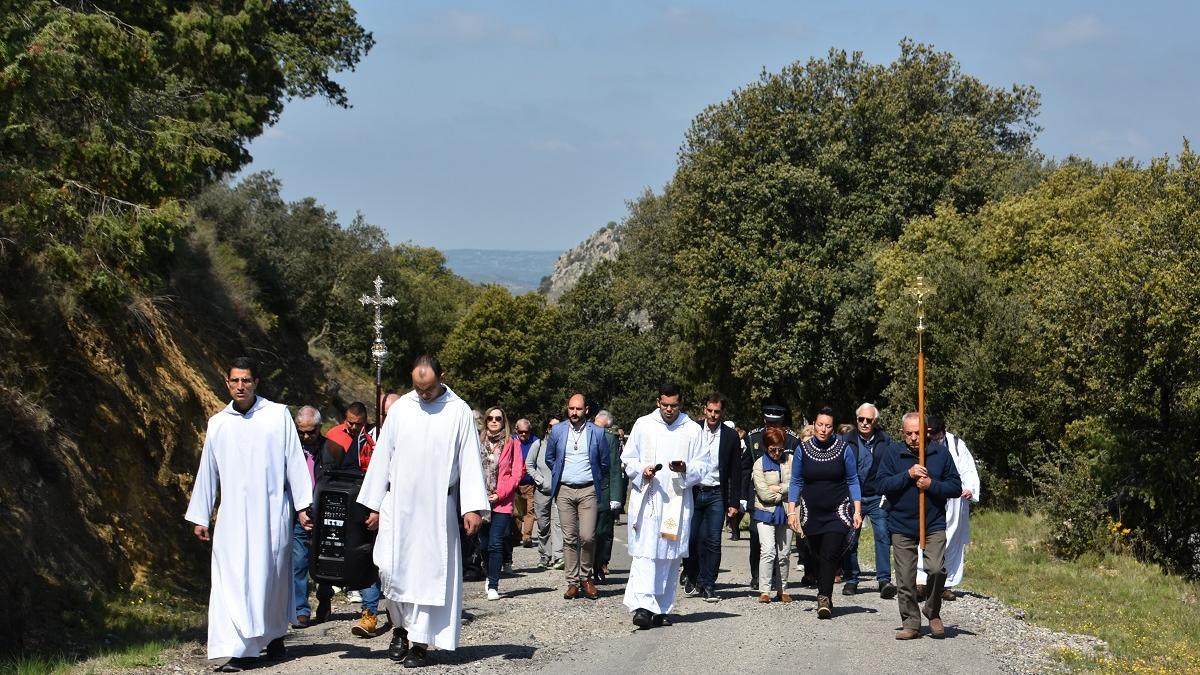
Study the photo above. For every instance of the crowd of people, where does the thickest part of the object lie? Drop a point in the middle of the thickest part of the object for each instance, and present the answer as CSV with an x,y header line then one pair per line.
x,y
449,491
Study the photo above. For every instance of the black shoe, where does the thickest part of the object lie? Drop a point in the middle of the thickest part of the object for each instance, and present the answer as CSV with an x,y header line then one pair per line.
x,y
689,588
662,620
236,665
276,650
682,577
850,588
643,618
709,595
418,657
754,583
887,591
398,649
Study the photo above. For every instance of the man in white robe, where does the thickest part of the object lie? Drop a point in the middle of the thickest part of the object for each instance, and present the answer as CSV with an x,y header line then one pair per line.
x,y
252,458
958,511
424,474
663,458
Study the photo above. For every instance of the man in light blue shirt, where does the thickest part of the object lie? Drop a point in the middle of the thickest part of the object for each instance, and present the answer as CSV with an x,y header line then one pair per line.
x,y
577,454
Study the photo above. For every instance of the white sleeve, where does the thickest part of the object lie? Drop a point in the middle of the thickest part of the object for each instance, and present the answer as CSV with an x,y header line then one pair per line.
x,y
299,482
472,491
968,473
204,490
631,457
375,483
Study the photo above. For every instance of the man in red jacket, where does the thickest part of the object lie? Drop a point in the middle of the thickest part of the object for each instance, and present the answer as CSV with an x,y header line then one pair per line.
x,y
348,447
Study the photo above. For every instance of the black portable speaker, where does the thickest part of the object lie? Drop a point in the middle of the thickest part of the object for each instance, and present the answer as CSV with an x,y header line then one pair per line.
x,y
341,542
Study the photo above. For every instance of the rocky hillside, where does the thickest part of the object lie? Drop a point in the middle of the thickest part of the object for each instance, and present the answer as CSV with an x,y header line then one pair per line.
x,y
570,266
101,422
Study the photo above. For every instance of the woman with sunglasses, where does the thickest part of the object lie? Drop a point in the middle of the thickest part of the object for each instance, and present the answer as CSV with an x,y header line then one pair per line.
x,y
770,476
503,467
824,502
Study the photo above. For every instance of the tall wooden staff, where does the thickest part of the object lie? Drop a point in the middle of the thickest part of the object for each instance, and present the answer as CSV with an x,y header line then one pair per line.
x,y
920,291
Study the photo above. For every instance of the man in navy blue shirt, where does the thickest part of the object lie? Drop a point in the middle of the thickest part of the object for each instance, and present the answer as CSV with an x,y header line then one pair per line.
x,y
901,479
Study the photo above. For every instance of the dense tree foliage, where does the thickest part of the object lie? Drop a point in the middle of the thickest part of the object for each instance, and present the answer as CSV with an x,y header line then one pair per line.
x,y
1066,343
113,112
787,189
502,352
310,272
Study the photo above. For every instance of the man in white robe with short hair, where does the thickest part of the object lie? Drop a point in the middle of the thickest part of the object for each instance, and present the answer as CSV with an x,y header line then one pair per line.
x,y
663,458
958,510
252,458
425,473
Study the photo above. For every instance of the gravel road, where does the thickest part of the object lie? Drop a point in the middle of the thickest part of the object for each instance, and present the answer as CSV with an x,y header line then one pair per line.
x,y
533,629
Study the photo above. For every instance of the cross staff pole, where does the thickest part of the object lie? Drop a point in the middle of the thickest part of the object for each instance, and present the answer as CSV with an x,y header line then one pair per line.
x,y
379,352
921,291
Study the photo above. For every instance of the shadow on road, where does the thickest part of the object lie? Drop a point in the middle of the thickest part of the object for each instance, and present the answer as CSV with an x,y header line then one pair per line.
x,y
526,591
470,653
697,617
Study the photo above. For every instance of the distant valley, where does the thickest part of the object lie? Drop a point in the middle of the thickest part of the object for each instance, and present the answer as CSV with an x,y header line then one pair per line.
x,y
519,271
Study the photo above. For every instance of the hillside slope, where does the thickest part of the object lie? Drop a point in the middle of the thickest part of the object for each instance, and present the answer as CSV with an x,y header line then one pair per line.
x,y
102,419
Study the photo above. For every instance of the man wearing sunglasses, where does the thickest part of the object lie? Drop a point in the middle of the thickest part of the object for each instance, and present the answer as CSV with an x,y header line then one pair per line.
x,y
868,444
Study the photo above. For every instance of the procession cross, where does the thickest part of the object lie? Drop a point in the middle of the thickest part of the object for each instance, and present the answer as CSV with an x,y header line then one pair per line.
x,y
921,291
379,352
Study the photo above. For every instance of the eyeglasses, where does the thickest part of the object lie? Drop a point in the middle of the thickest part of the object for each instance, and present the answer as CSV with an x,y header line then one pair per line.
x,y
310,432
862,420
240,380
775,449
522,432
494,418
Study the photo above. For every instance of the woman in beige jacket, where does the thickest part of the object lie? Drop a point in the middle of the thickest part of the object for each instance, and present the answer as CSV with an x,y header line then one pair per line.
x,y
770,477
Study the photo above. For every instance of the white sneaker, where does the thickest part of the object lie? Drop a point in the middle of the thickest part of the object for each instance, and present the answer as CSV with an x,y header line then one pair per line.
x,y
353,596
493,594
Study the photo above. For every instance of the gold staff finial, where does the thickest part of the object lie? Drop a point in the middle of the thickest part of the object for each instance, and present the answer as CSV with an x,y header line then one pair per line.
x,y
921,290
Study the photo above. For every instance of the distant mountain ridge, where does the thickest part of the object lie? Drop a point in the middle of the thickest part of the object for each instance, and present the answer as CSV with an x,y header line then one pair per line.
x,y
518,271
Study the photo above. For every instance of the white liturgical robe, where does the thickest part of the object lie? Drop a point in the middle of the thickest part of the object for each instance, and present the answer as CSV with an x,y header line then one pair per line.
x,y
424,474
660,509
255,461
958,514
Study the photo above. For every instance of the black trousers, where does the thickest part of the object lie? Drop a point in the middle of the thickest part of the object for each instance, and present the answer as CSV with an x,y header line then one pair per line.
x,y
827,550
605,520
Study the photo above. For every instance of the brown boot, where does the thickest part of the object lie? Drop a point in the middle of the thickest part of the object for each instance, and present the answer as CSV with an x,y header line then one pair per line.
x,y
948,595
571,592
936,628
908,634
366,625
765,598
783,597
590,590
824,607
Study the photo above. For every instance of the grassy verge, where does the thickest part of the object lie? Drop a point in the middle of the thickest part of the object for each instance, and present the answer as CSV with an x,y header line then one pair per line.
x,y
1151,621
123,633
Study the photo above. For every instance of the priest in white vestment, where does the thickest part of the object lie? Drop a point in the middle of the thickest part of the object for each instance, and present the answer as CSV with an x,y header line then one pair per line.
x,y
958,510
253,460
660,503
425,473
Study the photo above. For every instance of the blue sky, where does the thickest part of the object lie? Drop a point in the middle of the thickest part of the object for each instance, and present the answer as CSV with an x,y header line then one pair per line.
x,y
529,124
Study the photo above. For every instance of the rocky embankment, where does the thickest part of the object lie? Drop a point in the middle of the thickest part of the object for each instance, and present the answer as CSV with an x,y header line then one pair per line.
x,y
573,264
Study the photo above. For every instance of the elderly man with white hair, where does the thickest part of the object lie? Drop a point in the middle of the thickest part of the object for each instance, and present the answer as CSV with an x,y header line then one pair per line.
x,y
868,442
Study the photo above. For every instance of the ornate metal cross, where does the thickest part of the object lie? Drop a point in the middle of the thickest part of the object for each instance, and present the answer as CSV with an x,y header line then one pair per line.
x,y
379,352
921,290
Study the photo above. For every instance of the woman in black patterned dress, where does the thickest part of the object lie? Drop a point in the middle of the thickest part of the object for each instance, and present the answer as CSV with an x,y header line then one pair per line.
x,y
824,502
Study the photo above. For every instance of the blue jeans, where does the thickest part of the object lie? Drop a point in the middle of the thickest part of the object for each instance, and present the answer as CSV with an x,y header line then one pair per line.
x,y
704,547
883,541
497,532
300,569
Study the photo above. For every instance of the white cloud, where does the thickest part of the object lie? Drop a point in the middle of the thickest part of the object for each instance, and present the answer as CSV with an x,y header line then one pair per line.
x,y
461,27
1077,31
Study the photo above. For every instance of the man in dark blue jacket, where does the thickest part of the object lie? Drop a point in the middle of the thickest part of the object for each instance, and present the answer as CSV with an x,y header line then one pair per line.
x,y
869,444
577,454
901,478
